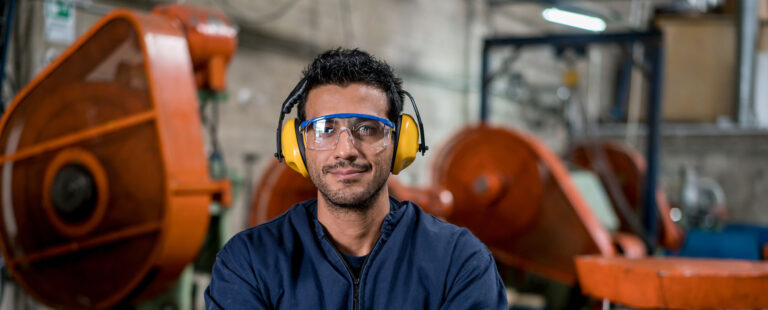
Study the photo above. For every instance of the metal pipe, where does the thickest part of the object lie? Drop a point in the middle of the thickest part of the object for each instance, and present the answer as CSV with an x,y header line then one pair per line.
x,y
746,47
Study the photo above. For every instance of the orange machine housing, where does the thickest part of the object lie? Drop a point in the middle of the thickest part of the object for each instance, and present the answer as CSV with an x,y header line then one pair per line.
x,y
105,184
211,40
517,197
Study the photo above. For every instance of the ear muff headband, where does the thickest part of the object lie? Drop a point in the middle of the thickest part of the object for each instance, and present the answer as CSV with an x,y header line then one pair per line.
x,y
288,104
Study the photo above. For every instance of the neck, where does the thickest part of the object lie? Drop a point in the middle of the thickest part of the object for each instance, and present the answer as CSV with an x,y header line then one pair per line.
x,y
354,231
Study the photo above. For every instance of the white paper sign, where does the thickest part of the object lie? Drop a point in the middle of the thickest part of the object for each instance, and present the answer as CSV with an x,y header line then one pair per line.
x,y
59,21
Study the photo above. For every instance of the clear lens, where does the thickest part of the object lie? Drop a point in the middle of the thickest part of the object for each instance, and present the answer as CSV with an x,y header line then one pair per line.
x,y
365,133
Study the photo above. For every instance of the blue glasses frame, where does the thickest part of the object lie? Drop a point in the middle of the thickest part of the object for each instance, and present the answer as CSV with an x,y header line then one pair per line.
x,y
384,121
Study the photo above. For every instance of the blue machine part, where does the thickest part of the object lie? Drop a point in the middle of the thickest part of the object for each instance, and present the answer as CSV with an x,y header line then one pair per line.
x,y
735,241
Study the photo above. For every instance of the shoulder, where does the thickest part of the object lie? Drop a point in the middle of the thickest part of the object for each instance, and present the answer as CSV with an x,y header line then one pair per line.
x,y
459,240
272,235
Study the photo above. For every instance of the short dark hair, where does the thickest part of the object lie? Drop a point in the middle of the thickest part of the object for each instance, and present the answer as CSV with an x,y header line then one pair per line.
x,y
345,66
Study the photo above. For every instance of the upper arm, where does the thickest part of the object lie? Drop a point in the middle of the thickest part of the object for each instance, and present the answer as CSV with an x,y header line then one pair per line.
x,y
233,284
476,283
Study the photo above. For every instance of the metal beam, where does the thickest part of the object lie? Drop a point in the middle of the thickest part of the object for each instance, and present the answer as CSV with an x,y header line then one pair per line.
x,y
654,56
650,214
576,41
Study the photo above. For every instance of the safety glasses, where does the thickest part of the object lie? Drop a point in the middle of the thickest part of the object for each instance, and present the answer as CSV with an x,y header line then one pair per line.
x,y
367,131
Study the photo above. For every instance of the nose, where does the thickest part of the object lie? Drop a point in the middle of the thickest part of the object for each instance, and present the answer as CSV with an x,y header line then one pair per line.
x,y
345,147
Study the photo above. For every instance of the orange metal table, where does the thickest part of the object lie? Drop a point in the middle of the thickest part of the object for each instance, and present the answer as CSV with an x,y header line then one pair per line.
x,y
675,283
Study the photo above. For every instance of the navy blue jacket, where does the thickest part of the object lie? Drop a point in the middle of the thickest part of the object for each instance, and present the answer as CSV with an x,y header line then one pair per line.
x,y
419,262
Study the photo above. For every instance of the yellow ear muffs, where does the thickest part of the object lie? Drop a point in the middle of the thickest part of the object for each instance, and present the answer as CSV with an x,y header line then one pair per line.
x,y
407,144
293,147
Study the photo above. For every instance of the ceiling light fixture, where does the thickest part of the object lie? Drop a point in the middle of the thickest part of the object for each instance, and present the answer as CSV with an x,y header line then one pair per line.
x,y
572,19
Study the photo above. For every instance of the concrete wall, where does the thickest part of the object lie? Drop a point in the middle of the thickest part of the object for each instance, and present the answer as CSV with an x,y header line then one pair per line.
x,y
738,162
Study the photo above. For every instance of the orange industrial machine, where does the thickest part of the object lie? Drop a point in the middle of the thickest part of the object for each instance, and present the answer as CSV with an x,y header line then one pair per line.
x,y
105,184
517,197
622,171
659,282
505,186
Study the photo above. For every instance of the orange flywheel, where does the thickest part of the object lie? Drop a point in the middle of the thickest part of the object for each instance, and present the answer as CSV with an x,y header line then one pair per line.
x,y
517,197
105,184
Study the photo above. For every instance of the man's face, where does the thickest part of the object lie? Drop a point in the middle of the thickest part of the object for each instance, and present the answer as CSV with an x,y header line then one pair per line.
x,y
351,174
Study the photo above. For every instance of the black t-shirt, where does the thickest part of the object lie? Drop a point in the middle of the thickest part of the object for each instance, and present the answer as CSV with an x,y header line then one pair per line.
x,y
355,263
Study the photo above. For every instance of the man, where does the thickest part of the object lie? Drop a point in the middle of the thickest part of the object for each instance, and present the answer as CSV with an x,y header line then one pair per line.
x,y
353,247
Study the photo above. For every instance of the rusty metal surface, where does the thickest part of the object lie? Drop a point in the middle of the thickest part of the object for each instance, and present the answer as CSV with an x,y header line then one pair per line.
x,y
120,106
517,197
617,164
675,283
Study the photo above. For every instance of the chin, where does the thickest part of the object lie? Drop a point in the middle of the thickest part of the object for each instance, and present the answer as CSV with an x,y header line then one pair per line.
x,y
351,199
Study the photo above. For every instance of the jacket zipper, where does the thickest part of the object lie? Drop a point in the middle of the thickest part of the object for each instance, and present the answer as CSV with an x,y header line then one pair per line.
x,y
355,280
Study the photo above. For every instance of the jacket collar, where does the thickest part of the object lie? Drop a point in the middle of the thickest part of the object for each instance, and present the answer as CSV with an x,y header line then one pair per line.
x,y
396,211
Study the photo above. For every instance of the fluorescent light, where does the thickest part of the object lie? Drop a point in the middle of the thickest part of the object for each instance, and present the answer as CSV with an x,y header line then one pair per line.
x,y
573,19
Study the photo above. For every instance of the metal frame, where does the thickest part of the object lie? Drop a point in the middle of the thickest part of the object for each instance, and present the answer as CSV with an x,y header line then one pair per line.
x,y
654,57
747,37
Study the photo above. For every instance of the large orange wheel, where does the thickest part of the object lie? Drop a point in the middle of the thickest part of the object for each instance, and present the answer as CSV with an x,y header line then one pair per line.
x,y
517,197
104,189
495,181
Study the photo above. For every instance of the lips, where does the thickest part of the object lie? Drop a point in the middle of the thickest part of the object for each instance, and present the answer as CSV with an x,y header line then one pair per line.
x,y
345,170
347,173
